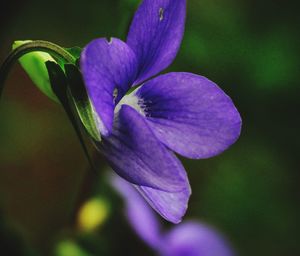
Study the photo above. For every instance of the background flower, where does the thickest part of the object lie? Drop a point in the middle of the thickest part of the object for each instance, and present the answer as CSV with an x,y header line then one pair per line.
x,y
189,238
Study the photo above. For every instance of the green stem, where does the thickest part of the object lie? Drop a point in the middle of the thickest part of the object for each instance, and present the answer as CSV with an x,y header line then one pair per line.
x,y
39,45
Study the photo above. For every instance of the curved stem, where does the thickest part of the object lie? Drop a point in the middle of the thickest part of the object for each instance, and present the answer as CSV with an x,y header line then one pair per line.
x,y
39,45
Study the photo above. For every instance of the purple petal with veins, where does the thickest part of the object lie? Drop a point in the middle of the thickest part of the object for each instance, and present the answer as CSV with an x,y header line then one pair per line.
x,y
155,35
107,68
190,114
138,156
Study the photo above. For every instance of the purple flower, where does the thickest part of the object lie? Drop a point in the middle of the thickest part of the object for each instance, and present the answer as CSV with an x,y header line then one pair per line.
x,y
140,126
190,238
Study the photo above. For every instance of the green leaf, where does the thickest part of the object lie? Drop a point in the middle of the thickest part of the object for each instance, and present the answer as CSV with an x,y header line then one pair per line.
x,y
34,65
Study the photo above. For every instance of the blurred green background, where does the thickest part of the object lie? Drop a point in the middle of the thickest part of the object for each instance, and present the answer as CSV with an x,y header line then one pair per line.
x,y
250,48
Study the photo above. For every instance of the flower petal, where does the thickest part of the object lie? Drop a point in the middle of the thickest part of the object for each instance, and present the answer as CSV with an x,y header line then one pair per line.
x,y
155,34
107,68
194,239
170,205
139,214
136,155
188,113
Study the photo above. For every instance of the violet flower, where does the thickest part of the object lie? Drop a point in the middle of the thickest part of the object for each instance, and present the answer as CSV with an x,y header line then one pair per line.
x,y
141,126
190,238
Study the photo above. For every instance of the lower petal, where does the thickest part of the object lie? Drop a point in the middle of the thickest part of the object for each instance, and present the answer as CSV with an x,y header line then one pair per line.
x,y
137,155
170,205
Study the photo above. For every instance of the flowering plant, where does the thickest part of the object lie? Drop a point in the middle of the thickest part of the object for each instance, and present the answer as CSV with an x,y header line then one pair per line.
x,y
136,121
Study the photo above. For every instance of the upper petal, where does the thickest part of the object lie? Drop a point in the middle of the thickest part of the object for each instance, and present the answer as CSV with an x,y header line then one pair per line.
x,y
195,239
136,154
108,70
155,34
189,114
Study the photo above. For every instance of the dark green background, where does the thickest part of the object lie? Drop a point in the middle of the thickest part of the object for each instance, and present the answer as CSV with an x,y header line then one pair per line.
x,y
250,48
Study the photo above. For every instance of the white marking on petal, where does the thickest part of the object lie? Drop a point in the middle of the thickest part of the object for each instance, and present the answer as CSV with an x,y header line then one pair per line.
x,y
115,94
109,41
161,14
99,124
131,100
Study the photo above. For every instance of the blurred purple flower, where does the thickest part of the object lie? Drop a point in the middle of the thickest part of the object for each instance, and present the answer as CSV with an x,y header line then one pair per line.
x,y
141,126
190,238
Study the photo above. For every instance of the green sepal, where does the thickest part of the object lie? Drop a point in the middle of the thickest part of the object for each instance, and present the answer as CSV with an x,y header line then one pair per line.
x,y
75,52
59,83
82,102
